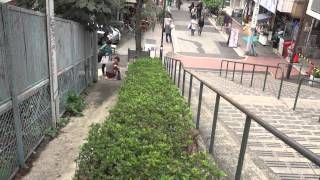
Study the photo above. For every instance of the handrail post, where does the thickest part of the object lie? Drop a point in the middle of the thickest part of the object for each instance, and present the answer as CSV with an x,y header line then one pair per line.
x,y
199,105
169,66
234,69
221,67
300,72
214,123
275,75
190,90
242,73
175,71
227,69
281,83
297,95
179,74
265,79
183,81
254,67
166,63
171,73
243,147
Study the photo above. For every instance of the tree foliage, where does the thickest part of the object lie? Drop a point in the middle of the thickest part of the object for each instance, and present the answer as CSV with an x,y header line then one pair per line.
x,y
213,5
88,12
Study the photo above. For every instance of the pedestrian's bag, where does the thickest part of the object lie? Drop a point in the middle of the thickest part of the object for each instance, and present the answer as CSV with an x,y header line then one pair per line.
x,y
189,26
105,59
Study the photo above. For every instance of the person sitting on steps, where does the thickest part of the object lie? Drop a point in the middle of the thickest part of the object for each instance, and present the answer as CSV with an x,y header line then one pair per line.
x,y
113,70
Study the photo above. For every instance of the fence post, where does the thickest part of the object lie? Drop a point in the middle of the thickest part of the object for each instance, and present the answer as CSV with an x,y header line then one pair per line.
x,y
12,87
214,123
199,105
95,58
53,74
243,147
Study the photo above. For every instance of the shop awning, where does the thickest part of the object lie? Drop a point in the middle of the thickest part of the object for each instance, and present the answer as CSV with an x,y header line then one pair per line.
x,y
262,17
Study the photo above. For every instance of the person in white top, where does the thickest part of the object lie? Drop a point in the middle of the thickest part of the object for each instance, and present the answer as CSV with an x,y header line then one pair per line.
x,y
193,26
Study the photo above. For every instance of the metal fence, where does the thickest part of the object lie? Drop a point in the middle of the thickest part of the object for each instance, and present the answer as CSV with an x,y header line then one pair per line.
x,y
255,67
25,98
177,71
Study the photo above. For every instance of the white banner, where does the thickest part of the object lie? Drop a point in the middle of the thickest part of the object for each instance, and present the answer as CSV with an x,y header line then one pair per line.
x,y
270,5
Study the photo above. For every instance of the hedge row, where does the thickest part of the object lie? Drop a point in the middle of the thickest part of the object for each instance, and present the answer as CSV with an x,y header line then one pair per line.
x,y
146,135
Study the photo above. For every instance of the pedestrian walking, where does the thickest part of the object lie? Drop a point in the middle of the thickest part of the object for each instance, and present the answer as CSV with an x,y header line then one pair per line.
x,y
178,4
200,24
191,7
105,52
193,26
194,13
169,3
167,29
199,9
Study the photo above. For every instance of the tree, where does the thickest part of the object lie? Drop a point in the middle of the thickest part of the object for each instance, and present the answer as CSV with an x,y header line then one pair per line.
x,y
145,10
87,12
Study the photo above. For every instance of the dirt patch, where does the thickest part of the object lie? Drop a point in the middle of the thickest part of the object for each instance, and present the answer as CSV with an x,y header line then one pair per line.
x,y
57,159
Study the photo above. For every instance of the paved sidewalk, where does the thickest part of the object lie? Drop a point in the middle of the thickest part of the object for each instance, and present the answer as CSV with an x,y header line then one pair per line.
x,y
206,51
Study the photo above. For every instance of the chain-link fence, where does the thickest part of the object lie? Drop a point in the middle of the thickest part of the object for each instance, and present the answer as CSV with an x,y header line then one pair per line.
x,y
25,97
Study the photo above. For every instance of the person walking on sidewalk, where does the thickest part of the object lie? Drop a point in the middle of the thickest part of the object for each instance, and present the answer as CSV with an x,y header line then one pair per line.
x,y
191,7
167,29
199,9
200,24
194,13
193,26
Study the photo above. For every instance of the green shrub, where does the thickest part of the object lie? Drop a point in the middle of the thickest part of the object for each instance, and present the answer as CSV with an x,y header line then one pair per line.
x,y
316,72
146,135
51,132
75,104
213,5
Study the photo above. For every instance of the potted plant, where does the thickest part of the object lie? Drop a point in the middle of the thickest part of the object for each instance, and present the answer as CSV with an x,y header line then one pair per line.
x,y
315,75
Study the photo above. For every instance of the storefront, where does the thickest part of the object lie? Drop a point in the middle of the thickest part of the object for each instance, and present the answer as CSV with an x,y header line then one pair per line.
x,y
311,46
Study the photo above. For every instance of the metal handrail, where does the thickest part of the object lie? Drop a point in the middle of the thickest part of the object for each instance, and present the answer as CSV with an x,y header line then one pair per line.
x,y
168,63
292,64
298,91
253,71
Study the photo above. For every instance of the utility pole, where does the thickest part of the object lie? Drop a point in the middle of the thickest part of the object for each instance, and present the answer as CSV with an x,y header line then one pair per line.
x,y
162,27
53,73
298,39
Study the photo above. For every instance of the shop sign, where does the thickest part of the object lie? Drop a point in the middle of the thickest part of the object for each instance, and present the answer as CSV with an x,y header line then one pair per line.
x,y
270,5
255,14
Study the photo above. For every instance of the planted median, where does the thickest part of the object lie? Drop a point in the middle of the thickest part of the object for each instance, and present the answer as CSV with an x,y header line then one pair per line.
x,y
148,134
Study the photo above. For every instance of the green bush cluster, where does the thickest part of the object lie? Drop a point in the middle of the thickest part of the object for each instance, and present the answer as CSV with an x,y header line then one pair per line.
x,y
213,5
75,104
146,135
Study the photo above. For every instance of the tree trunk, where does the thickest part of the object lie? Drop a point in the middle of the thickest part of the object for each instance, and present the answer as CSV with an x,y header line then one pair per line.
x,y
138,34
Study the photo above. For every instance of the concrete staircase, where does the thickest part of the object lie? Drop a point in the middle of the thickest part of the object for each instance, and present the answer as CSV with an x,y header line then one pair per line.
x,y
266,157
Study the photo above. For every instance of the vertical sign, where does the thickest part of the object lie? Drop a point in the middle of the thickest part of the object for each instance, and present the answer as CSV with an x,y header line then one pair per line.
x,y
52,61
255,14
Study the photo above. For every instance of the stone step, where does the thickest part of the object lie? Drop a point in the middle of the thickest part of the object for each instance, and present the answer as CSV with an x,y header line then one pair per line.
x,y
267,157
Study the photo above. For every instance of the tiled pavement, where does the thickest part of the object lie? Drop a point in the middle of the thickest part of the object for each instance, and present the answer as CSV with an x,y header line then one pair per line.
x,y
267,157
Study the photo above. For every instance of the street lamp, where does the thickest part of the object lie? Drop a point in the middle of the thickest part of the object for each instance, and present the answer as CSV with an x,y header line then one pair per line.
x,y
164,14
